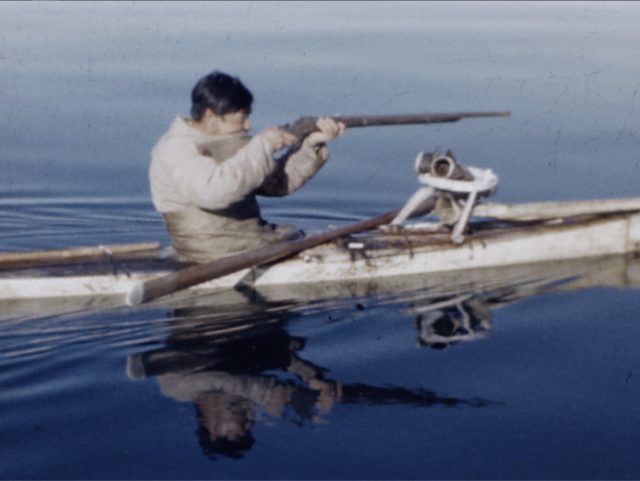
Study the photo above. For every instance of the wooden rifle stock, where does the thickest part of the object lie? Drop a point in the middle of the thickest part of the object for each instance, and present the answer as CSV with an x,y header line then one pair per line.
x,y
305,125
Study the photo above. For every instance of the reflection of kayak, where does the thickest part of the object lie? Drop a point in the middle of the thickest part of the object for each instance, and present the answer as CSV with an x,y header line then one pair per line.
x,y
570,230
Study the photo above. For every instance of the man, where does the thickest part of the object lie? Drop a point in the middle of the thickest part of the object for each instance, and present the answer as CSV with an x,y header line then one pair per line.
x,y
206,172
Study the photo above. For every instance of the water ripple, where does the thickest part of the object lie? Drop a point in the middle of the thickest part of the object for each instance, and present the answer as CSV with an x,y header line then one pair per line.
x,y
49,222
35,338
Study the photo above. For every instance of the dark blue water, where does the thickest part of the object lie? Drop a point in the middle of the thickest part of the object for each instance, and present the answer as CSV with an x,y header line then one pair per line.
x,y
346,384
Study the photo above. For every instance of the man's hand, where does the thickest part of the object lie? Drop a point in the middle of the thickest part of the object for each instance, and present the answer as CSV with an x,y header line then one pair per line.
x,y
278,138
328,129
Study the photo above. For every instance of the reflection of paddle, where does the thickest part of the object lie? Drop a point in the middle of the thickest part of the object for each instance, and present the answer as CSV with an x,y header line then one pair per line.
x,y
190,276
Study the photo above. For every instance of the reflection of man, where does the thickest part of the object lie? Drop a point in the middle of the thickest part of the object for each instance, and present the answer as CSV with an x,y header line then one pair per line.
x,y
224,377
242,367
225,423
226,401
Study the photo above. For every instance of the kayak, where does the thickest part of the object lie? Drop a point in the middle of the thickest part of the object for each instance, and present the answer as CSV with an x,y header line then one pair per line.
x,y
498,235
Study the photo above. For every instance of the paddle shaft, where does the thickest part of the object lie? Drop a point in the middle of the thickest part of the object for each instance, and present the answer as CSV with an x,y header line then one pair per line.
x,y
305,125
190,276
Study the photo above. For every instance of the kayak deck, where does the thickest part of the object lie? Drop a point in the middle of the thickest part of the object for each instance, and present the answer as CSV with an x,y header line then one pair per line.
x,y
382,243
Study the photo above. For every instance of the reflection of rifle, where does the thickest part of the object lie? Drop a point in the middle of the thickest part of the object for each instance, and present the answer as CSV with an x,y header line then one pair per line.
x,y
373,395
305,125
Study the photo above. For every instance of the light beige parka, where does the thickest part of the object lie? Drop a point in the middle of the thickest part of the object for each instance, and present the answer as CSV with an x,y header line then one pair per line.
x,y
205,186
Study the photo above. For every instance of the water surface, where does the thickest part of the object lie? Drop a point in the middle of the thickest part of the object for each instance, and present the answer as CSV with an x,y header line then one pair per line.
x,y
351,383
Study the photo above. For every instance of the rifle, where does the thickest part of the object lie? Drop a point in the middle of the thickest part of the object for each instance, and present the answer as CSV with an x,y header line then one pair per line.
x,y
305,125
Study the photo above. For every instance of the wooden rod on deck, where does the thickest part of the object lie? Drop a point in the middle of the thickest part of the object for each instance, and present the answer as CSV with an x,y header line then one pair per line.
x,y
11,260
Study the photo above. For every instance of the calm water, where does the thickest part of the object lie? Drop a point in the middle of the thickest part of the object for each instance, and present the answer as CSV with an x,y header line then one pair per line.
x,y
351,383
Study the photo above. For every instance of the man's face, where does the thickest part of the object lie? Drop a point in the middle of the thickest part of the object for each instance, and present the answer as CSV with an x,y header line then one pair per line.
x,y
231,123
226,416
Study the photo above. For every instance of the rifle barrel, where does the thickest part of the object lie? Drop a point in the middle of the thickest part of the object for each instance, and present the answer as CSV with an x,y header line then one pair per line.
x,y
305,125
374,120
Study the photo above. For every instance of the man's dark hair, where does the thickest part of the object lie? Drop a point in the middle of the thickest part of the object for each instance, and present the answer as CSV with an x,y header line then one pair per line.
x,y
221,93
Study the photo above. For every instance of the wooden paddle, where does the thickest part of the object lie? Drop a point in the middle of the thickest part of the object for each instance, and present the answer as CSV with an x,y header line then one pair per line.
x,y
176,281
